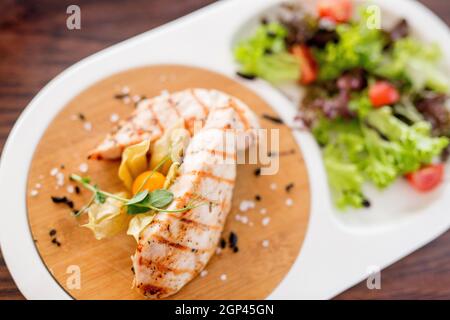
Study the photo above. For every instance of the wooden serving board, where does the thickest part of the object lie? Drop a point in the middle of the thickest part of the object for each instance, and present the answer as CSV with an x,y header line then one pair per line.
x,y
105,266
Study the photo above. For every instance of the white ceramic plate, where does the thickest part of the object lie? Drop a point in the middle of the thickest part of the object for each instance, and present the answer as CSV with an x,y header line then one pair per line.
x,y
338,249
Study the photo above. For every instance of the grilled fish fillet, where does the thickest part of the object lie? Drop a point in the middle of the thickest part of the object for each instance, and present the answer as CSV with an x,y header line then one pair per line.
x,y
175,247
153,116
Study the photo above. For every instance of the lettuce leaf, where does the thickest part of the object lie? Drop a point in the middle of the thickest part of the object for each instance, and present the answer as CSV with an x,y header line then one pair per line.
x,y
264,55
346,182
379,148
417,63
344,147
358,47
417,145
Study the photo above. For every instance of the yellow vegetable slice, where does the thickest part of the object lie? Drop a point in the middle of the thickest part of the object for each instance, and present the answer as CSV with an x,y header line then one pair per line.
x,y
134,162
173,141
107,219
171,175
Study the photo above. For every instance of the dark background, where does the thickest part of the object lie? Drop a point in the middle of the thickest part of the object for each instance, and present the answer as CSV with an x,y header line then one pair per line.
x,y
35,46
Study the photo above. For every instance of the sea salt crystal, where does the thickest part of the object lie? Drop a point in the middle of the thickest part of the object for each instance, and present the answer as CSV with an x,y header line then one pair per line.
x,y
265,221
273,186
70,189
125,90
204,273
244,219
218,251
237,217
136,98
114,118
60,179
246,205
34,193
289,202
263,211
265,243
87,126
54,172
74,117
83,168
126,100
38,186
223,277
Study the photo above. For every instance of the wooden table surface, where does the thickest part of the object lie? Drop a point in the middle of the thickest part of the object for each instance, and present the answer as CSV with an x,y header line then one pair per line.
x,y
35,46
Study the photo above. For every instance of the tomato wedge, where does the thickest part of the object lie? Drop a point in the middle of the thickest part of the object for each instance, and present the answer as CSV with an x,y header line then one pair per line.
x,y
427,178
338,11
308,65
383,93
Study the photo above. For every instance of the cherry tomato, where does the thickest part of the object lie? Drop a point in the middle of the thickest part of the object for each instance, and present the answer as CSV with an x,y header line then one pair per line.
x,y
337,11
383,93
153,182
427,178
308,64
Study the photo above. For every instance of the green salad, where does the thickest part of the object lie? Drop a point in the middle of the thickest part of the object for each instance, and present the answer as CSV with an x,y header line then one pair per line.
x,y
376,100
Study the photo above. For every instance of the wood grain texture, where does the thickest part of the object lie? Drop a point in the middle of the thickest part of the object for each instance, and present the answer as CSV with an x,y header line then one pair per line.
x,y
105,266
35,46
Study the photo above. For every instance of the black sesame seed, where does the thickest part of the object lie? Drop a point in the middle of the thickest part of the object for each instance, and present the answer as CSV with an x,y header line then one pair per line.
x,y
64,200
81,117
366,203
258,197
223,243
52,232
77,190
232,239
289,187
59,199
257,172
246,76
55,241
235,249
70,204
120,96
273,119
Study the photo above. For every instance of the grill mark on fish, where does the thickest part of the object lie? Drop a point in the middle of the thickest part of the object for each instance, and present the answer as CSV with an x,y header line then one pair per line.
x,y
155,116
163,268
200,225
175,245
187,223
174,107
224,154
240,113
205,174
197,99
152,290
